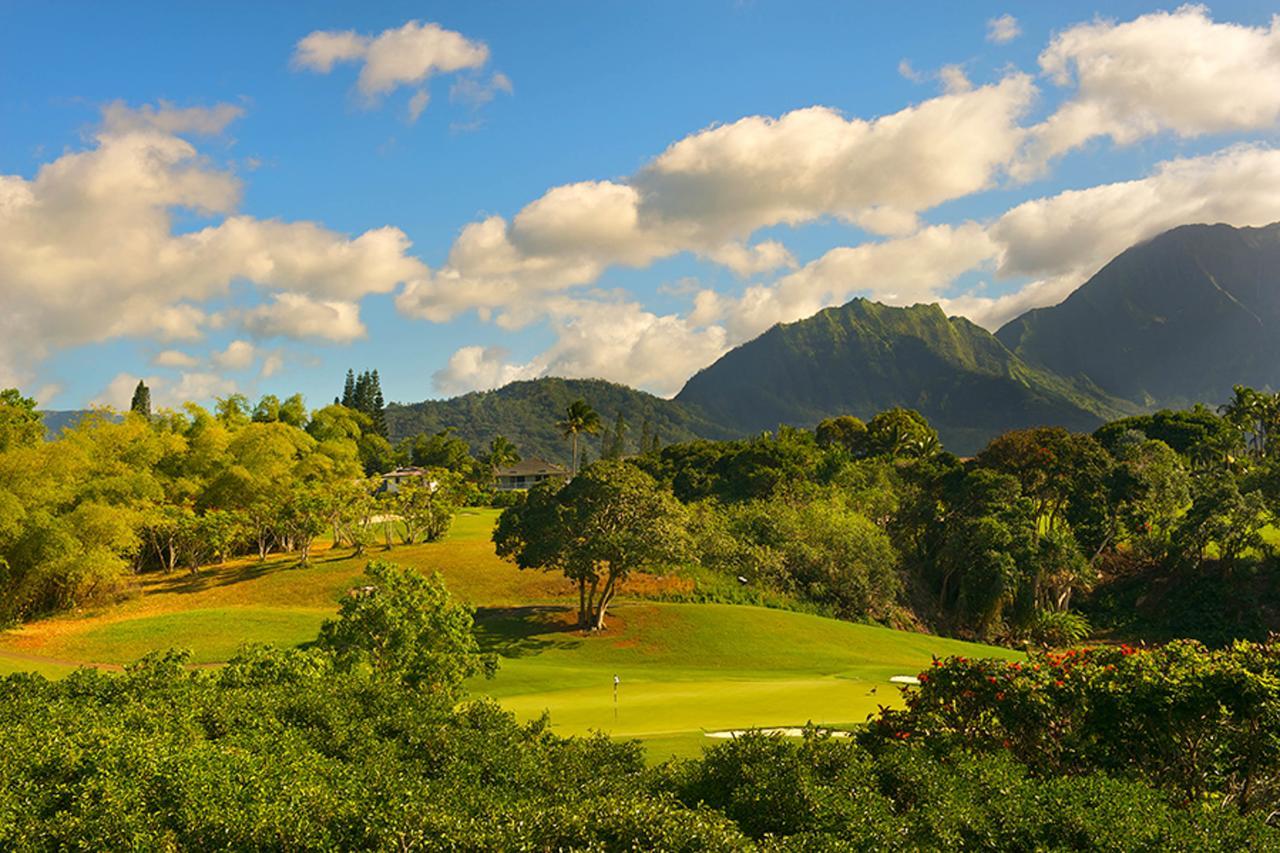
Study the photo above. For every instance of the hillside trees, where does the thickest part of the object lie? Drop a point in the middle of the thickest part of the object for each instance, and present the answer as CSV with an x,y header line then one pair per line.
x,y
901,432
817,548
607,522
363,394
1255,415
72,513
261,464
501,453
1222,518
1147,492
615,441
20,424
442,450
1198,435
113,497
844,431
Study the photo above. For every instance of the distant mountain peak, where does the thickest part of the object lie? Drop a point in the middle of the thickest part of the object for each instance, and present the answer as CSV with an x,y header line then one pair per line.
x,y
1174,320
863,357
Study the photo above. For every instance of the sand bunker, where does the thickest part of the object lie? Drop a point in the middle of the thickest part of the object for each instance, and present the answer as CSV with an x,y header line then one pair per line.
x,y
905,679
783,732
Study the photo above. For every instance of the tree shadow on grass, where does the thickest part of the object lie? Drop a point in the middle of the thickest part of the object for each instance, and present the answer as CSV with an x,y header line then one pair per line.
x,y
209,577
516,632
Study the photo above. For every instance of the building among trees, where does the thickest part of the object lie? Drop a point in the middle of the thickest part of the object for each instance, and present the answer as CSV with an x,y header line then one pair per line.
x,y
526,474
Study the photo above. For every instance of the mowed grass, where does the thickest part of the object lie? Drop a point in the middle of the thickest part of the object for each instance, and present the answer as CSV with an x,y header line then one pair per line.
x,y
689,669
685,669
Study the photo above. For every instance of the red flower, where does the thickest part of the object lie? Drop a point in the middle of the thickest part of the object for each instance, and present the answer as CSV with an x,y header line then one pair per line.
x,y
1058,683
1000,696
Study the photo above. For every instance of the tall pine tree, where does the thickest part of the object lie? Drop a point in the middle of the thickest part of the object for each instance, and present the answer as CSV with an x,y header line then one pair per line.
x,y
615,443
377,406
349,390
141,403
364,394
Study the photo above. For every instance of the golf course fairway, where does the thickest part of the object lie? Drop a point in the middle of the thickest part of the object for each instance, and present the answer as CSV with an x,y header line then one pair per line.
x,y
683,669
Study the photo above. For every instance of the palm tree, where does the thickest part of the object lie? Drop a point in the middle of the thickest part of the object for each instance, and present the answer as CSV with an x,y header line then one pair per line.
x,y
578,418
502,453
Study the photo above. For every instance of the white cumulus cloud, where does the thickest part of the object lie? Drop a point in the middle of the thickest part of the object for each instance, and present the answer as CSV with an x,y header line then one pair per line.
x,y
89,252
1003,29
403,56
298,316
239,355
1179,71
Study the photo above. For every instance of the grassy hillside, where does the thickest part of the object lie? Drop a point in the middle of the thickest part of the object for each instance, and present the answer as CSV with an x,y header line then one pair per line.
x,y
685,668
527,412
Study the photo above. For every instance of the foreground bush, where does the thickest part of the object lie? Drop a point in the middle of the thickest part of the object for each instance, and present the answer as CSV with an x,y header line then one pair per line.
x,y
275,752
162,757
1203,725
825,794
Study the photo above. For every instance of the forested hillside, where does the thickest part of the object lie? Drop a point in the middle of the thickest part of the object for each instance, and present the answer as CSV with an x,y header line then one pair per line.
x,y
527,413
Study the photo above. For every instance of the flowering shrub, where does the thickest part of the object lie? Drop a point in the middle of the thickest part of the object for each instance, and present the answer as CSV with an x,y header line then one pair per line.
x,y
1199,723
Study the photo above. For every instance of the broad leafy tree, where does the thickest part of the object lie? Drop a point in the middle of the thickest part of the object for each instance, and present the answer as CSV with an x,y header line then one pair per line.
x,y
405,625
20,423
844,431
609,521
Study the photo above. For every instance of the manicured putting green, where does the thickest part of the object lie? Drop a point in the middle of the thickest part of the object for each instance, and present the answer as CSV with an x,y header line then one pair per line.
x,y
686,669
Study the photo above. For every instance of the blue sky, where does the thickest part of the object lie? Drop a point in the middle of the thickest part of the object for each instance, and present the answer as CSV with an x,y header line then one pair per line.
x,y
160,163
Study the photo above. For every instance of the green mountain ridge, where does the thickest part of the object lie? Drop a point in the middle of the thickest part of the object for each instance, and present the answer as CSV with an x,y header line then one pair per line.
x,y
56,420
864,357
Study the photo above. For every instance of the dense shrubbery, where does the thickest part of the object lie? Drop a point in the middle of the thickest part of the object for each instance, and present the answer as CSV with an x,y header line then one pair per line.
x,y
1202,725
826,793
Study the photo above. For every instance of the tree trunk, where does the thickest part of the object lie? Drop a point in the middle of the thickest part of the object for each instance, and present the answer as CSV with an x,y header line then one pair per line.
x,y
589,609
574,454
602,606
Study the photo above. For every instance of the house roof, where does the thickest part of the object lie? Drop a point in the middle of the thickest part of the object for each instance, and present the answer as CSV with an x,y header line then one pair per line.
x,y
404,472
531,467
